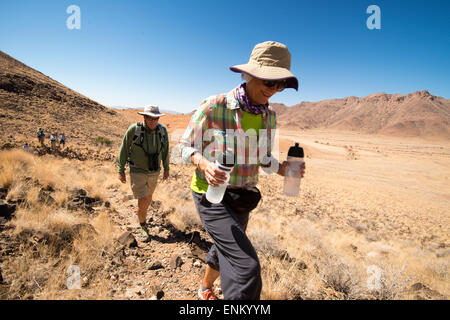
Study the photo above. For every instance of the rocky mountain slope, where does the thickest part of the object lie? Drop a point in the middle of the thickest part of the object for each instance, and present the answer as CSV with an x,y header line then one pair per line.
x,y
418,114
30,100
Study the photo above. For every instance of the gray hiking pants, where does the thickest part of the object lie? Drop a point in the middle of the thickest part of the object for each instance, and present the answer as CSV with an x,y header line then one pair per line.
x,y
232,252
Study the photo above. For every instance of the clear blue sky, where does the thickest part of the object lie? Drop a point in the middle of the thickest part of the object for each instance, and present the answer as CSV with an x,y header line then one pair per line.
x,y
175,53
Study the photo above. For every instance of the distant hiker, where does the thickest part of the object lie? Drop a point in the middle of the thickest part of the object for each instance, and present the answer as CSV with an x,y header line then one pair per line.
x,y
144,146
62,140
53,140
243,108
26,147
41,136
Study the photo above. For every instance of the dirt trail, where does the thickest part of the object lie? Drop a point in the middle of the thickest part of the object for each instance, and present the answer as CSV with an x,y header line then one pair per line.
x,y
135,278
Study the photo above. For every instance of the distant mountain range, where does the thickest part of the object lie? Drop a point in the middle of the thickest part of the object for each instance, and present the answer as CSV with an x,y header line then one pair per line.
x,y
134,108
418,114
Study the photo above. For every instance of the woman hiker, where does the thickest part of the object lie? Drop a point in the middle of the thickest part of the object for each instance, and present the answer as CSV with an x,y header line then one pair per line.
x,y
53,140
246,107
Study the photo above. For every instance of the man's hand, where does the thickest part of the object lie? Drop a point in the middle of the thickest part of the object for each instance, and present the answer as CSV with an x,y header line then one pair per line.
x,y
166,175
122,177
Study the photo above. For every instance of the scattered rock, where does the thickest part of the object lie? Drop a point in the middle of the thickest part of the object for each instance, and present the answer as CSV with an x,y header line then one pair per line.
x,y
197,252
57,241
49,188
128,240
155,265
19,199
80,200
74,204
6,210
283,255
425,293
156,291
301,265
92,201
197,264
79,193
195,238
419,286
175,262
3,193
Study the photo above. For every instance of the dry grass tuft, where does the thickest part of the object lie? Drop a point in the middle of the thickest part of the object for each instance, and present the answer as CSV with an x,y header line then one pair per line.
x,y
51,238
13,165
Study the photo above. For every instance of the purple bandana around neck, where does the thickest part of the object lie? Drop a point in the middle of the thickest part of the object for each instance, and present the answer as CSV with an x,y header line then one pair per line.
x,y
246,105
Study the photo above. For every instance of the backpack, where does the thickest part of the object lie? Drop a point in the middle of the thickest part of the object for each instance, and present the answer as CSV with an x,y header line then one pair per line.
x,y
138,140
139,133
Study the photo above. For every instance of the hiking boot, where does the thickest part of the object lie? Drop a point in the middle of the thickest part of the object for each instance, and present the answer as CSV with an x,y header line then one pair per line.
x,y
145,235
208,294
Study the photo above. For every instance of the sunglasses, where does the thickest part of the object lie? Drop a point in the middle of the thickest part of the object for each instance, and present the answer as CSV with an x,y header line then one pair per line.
x,y
280,84
151,118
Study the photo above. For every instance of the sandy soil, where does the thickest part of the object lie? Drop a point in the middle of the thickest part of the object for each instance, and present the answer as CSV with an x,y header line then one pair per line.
x,y
406,181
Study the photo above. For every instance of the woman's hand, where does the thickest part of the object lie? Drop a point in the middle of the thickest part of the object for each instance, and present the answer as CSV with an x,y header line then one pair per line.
x,y
214,176
285,165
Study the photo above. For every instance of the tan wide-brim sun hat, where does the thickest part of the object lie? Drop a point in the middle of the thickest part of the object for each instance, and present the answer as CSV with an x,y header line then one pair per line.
x,y
152,111
269,60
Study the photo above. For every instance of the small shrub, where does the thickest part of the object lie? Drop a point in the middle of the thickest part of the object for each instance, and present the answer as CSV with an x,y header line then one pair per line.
x,y
184,219
102,140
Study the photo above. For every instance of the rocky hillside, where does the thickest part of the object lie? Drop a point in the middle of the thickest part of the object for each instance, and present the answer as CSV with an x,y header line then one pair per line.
x,y
418,114
30,100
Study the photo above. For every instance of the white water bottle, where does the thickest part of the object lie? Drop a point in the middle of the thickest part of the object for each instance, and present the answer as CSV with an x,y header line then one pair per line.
x,y
293,176
226,163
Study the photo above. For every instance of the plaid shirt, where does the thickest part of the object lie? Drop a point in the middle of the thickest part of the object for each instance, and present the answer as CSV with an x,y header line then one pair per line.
x,y
214,117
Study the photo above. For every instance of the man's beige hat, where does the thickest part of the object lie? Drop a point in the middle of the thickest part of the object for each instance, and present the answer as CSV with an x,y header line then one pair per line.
x,y
152,111
269,60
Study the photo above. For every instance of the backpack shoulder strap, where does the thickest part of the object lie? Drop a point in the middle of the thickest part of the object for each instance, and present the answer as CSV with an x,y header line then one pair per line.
x,y
139,133
162,131
163,137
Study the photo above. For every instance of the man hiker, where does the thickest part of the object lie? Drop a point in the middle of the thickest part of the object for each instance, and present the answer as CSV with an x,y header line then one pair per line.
x,y
62,140
144,146
41,136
